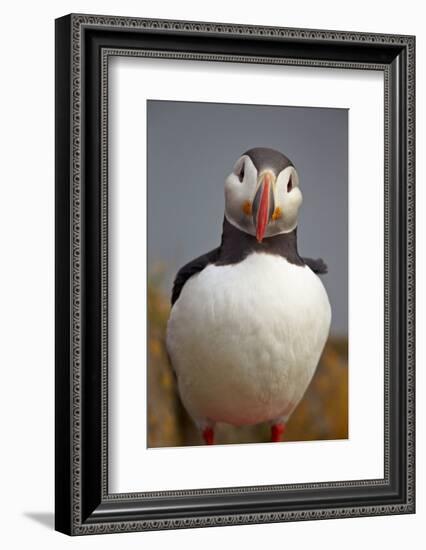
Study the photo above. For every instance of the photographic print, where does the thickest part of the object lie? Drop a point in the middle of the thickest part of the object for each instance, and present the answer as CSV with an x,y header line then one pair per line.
x,y
235,274
247,273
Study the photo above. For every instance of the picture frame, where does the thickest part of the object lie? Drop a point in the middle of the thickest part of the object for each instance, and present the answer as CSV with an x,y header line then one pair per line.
x,y
83,503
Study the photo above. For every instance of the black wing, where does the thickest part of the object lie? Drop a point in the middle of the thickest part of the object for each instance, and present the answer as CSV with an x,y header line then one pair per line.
x,y
190,269
318,266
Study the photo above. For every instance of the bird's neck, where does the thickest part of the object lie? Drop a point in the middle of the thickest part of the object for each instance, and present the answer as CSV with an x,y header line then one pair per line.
x,y
237,245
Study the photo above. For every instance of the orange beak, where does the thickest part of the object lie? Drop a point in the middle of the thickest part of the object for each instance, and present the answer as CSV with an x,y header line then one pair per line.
x,y
263,206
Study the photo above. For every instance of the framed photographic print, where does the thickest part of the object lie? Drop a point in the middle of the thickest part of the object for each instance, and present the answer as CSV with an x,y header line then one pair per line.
x,y
234,274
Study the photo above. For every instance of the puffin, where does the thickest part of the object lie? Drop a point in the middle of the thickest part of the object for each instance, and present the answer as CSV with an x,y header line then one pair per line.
x,y
249,319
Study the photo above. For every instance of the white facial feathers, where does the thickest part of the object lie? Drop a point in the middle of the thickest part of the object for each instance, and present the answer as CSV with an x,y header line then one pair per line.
x,y
241,187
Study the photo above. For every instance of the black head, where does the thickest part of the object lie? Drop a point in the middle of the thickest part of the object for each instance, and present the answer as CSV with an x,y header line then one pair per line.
x,y
265,158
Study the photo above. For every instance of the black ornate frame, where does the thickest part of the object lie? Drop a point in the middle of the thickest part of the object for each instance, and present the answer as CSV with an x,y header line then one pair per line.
x,y
83,45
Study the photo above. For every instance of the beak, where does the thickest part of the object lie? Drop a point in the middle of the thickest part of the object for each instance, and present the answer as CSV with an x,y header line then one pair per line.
x,y
263,204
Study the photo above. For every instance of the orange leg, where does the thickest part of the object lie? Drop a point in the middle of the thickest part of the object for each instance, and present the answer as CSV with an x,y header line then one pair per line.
x,y
208,436
277,431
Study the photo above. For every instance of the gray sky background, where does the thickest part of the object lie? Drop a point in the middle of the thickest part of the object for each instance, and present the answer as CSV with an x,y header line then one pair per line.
x,y
192,147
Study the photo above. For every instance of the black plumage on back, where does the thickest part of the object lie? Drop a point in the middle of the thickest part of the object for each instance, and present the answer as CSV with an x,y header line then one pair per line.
x,y
190,269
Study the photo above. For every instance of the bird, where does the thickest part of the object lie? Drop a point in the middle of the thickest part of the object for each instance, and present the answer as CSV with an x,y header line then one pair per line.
x,y
250,318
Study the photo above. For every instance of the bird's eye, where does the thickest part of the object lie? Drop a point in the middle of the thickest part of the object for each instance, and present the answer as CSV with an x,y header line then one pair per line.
x,y
289,185
241,173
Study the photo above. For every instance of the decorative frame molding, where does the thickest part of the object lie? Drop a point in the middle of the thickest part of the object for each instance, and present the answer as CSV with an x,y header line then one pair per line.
x,y
84,43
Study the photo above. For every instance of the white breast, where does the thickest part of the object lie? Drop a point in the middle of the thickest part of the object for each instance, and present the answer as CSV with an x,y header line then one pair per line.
x,y
245,339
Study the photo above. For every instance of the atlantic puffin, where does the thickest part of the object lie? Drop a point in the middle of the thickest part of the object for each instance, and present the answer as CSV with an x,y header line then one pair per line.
x,y
249,319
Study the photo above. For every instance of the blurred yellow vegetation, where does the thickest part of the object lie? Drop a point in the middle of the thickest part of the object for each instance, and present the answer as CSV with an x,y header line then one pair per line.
x,y
322,413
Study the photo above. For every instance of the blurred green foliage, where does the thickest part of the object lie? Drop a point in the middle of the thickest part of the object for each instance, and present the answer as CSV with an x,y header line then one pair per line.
x,y
322,413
